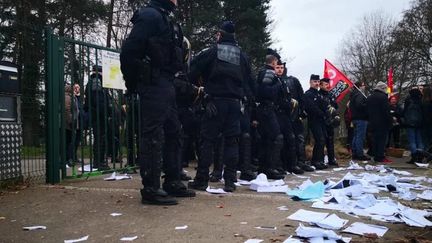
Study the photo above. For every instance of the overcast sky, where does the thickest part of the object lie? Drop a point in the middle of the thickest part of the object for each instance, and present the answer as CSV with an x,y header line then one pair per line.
x,y
309,31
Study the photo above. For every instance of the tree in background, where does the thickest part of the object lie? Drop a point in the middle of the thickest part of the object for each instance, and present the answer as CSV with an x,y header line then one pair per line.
x,y
366,54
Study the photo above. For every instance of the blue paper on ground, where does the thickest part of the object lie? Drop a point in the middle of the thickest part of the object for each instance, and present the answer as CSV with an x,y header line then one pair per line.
x,y
313,191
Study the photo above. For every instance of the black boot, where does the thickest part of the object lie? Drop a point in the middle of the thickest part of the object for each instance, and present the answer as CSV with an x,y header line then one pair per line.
x,y
413,158
296,170
229,186
247,175
199,183
177,189
215,176
319,165
305,167
156,197
184,176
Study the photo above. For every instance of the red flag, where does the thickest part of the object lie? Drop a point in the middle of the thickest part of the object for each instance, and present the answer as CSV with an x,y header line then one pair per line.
x,y
390,81
339,84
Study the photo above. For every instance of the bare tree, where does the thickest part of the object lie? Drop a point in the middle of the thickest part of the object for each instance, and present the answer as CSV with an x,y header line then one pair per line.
x,y
365,54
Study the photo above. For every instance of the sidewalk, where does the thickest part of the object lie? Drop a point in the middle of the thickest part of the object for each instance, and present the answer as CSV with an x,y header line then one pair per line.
x,y
82,207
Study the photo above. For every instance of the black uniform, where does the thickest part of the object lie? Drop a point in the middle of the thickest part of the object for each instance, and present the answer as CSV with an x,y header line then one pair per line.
x,y
269,87
284,113
150,57
316,108
224,69
329,139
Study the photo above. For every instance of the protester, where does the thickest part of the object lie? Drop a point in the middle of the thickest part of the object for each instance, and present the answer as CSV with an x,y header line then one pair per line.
x,y
378,111
359,116
413,121
396,114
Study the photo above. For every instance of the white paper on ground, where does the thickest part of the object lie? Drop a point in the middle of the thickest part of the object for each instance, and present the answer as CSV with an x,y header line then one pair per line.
x,y
426,195
422,165
382,208
332,222
417,216
243,182
409,179
86,168
307,216
354,166
261,182
266,227
282,189
359,228
77,240
37,227
115,177
132,238
283,208
401,172
305,184
406,194
366,201
254,241
116,214
312,232
292,240
330,206
339,169
300,176
181,227
215,190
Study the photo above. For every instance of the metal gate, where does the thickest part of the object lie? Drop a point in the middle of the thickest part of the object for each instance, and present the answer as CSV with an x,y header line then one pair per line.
x,y
88,132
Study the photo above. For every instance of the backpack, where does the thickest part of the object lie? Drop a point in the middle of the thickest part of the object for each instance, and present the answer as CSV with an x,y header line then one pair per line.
x,y
413,114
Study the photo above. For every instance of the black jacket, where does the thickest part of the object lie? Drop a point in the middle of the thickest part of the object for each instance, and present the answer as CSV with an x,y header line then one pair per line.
x,y
220,78
378,109
315,105
269,85
413,110
154,43
358,106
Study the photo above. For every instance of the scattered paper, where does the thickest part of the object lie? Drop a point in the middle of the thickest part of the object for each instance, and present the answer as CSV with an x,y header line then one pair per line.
x,y
292,240
339,169
253,241
312,232
215,190
132,238
383,208
243,182
307,216
362,228
401,172
243,223
422,165
34,227
332,222
181,227
266,227
354,166
283,208
115,177
86,168
77,240
282,189
116,214
426,195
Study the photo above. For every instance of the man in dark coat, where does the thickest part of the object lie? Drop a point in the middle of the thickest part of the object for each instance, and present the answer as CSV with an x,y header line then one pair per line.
x,y
359,120
380,120
150,58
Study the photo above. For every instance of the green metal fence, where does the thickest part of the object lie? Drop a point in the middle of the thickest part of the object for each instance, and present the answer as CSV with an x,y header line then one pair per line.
x,y
91,132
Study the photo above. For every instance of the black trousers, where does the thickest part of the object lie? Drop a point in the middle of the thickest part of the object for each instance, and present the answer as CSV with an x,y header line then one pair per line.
x,y
319,133
227,124
271,137
299,140
160,133
379,143
288,153
329,143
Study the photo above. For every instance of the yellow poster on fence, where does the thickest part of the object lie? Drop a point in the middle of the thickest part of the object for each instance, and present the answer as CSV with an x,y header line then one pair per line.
x,y
112,76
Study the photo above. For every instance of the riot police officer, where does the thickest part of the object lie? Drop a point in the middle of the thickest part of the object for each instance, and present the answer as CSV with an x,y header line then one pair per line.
x,y
316,111
334,119
224,68
285,108
298,114
150,58
269,87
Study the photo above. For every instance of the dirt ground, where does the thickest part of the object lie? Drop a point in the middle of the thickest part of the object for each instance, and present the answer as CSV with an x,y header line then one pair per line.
x,y
77,208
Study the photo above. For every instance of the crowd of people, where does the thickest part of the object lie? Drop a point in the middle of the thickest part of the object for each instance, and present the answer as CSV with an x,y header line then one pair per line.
x,y
212,109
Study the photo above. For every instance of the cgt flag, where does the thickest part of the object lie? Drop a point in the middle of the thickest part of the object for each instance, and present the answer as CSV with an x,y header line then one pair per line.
x,y
339,84
390,81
